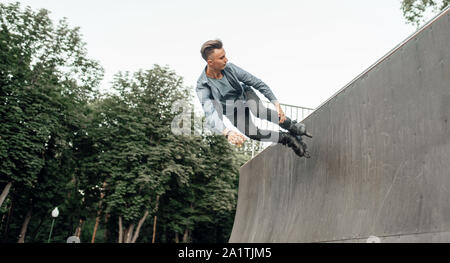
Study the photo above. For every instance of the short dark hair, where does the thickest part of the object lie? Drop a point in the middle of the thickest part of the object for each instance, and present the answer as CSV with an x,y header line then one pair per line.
x,y
209,46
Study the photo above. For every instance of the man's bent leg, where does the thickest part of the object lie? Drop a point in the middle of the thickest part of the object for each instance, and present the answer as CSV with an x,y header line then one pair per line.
x,y
250,130
241,119
258,109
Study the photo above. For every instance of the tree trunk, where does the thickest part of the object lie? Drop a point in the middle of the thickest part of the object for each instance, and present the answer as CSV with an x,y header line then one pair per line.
x,y
5,234
120,230
154,219
23,231
129,233
3,219
138,228
124,235
5,193
186,235
177,239
80,226
186,231
97,220
99,212
106,229
36,232
154,229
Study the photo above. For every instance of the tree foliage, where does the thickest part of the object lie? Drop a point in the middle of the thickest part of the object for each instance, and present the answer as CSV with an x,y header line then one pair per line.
x,y
414,10
45,79
102,159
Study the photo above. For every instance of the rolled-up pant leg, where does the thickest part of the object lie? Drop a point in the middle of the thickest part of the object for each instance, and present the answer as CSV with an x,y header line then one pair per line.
x,y
258,109
240,117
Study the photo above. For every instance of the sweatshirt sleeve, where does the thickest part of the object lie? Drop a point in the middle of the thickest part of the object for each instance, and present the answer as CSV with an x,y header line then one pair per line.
x,y
213,121
250,80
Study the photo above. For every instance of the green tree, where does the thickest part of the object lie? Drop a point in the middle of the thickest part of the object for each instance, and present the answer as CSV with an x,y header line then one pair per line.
x,y
137,145
414,10
45,79
201,208
114,157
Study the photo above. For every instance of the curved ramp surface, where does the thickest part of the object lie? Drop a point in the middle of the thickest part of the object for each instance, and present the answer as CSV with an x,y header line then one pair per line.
x,y
380,161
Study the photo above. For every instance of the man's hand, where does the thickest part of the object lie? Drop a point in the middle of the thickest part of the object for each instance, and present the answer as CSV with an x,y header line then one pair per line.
x,y
281,114
234,137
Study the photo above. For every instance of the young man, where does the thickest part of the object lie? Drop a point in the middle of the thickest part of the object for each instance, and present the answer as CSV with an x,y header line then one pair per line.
x,y
225,89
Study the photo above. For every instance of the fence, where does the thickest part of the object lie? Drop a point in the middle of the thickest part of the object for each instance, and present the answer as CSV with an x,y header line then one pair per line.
x,y
293,112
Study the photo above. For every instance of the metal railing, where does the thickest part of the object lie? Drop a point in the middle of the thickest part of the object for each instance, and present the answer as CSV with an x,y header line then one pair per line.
x,y
293,112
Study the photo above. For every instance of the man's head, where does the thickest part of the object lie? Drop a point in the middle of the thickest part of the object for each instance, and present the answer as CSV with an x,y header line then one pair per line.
x,y
213,53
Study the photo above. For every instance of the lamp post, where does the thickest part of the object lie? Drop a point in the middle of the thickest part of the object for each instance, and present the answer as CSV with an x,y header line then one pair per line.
x,y
55,214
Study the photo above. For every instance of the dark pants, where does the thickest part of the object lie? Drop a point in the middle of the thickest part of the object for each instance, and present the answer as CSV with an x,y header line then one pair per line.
x,y
239,115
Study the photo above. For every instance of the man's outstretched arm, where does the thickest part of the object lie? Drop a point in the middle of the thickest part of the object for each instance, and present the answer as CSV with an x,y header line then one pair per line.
x,y
250,80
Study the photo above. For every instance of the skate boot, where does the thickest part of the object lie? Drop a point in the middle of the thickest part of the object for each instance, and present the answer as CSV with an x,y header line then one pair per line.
x,y
304,146
295,128
291,141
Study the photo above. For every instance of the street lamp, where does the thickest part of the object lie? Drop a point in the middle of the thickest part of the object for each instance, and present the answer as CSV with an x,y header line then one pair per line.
x,y
55,214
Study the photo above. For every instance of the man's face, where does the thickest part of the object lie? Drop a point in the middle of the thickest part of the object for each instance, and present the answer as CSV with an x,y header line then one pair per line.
x,y
218,60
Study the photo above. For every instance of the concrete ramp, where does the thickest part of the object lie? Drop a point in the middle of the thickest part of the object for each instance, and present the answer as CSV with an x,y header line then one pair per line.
x,y
380,161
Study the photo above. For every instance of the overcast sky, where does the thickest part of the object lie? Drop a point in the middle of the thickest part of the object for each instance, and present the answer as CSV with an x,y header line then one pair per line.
x,y
304,50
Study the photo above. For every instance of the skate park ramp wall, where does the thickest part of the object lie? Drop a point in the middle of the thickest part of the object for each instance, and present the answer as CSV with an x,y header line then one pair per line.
x,y
380,165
